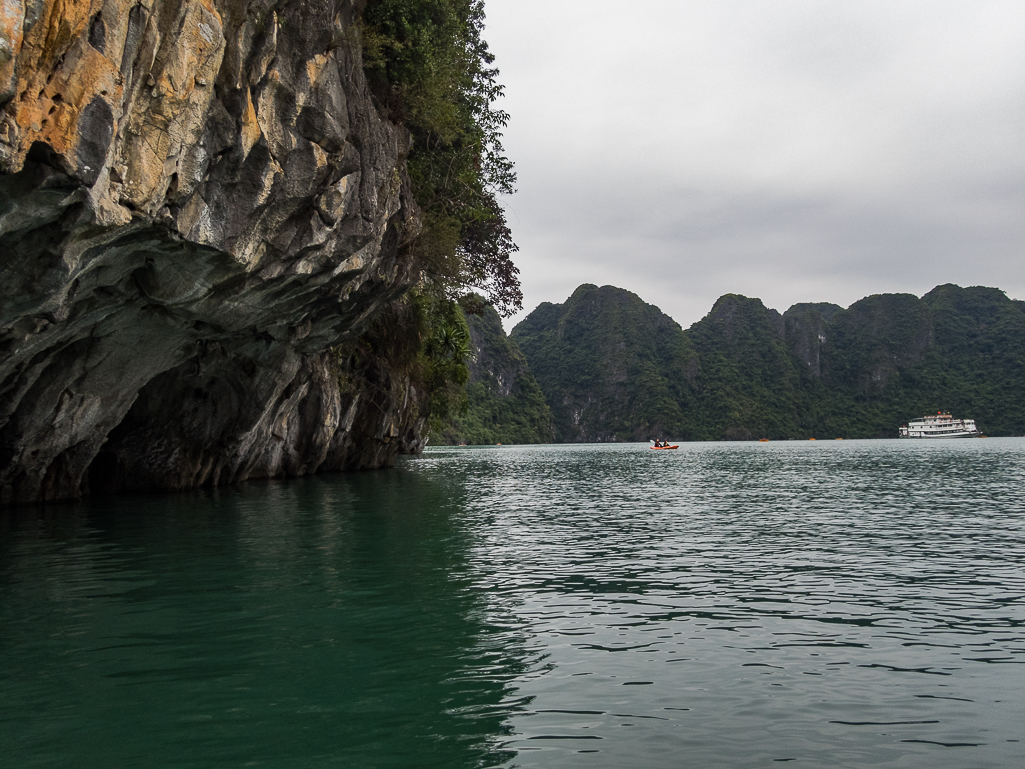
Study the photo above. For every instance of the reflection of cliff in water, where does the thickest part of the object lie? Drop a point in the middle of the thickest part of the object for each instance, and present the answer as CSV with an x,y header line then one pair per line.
x,y
324,620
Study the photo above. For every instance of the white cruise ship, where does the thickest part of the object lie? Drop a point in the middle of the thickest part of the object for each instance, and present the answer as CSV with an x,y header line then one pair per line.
x,y
940,425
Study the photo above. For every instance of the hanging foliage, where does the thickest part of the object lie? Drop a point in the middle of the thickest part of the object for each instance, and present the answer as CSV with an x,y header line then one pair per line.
x,y
431,71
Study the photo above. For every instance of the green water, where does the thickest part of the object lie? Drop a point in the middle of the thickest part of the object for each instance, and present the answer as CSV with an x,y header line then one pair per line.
x,y
821,604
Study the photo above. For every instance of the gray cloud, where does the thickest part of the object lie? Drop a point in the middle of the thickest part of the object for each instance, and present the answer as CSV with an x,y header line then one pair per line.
x,y
794,151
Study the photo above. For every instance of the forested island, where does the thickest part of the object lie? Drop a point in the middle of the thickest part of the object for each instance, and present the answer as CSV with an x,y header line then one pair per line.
x,y
614,368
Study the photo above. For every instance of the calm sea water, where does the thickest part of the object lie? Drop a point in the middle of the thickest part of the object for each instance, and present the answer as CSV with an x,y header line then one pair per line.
x,y
827,604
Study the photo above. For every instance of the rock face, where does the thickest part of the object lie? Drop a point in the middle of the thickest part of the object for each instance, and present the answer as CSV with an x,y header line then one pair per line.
x,y
198,199
806,332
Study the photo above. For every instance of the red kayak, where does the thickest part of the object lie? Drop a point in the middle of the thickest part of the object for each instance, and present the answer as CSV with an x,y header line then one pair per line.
x,y
662,448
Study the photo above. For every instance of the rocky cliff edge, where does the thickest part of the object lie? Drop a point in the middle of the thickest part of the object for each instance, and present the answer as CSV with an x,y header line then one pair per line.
x,y
197,200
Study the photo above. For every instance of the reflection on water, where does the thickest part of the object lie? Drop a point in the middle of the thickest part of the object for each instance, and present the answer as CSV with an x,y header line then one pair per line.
x,y
318,623
847,604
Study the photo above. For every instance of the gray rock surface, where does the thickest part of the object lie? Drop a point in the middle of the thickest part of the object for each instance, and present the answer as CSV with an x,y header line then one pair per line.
x,y
198,199
807,331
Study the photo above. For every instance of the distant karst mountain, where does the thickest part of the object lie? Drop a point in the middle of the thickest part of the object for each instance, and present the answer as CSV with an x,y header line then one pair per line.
x,y
615,368
505,403
612,367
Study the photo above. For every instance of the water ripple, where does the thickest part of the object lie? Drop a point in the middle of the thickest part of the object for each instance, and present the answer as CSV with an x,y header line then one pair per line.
x,y
880,582
848,604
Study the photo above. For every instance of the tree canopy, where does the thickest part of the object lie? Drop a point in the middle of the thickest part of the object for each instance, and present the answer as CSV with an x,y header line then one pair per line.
x,y
431,69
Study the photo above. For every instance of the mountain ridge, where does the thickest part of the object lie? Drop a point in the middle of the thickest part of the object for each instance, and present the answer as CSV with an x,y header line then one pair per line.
x,y
598,378
745,371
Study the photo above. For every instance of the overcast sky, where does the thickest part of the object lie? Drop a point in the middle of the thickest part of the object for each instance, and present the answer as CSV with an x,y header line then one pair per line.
x,y
792,150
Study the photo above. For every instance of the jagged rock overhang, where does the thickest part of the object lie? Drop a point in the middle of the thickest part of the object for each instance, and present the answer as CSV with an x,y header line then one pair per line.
x,y
197,199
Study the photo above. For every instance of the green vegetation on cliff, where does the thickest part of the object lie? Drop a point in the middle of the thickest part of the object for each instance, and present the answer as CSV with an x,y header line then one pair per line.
x,y
504,402
894,357
746,372
611,366
432,71
425,338
747,385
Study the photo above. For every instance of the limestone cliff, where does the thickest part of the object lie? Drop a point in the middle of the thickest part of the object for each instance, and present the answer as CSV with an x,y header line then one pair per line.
x,y
806,332
198,199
